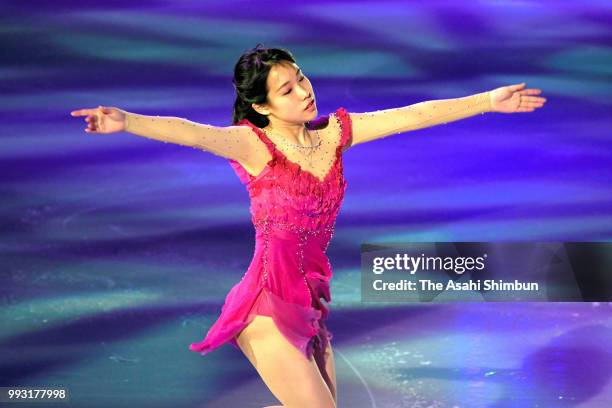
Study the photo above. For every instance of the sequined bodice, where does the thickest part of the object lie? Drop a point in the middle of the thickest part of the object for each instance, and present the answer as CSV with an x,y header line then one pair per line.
x,y
286,196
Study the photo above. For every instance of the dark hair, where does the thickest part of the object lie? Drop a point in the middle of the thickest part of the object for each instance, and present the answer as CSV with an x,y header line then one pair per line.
x,y
250,81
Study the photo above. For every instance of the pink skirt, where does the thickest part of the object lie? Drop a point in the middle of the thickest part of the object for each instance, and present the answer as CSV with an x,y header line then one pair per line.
x,y
286,280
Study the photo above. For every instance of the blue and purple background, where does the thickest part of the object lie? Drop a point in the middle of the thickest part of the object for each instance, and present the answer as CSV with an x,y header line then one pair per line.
x,y
116,251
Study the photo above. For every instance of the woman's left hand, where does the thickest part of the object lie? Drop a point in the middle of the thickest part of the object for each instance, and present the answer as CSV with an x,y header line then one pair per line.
x,y
513,98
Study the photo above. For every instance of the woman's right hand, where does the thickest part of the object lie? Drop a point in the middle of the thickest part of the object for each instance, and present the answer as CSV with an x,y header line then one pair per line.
x,y
103,119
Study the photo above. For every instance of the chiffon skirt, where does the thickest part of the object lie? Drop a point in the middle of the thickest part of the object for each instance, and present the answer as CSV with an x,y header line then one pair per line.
x,y
287,280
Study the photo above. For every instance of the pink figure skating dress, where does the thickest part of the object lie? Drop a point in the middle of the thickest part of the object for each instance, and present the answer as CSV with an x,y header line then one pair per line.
x,y
294,213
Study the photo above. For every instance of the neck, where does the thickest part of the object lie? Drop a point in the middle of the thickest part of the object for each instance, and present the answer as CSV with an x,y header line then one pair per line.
x,y
296,134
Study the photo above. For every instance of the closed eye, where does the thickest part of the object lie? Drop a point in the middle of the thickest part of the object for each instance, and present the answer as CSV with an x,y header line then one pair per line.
x,y
289,91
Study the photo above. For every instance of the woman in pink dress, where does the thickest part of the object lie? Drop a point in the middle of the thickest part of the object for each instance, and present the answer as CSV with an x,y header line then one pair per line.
x,y
291,163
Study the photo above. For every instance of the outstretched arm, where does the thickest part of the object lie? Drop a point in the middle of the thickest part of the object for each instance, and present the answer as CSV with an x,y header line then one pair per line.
x,y
231,142
379,124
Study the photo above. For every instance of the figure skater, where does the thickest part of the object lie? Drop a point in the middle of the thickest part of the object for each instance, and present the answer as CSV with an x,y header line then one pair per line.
x,y
291,164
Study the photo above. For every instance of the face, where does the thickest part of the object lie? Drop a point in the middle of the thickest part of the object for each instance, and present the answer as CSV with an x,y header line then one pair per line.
x,y
289,91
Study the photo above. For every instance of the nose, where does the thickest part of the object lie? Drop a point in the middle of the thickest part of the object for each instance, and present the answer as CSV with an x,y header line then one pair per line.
x,y
305,92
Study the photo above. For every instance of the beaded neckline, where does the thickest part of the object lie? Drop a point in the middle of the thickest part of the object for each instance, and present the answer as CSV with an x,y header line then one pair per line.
x,y
291,163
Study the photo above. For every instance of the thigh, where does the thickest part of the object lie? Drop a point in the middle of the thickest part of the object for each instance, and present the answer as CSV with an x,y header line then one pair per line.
x,y
330,368
290,376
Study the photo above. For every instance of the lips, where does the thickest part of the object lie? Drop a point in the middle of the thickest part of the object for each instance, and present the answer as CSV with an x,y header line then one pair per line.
x,y
309,105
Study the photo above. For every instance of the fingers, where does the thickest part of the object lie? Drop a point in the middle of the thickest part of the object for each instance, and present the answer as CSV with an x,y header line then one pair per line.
x,y
533,99
83,112
530,92
516,87
528,103
527,106
93,122
93,117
